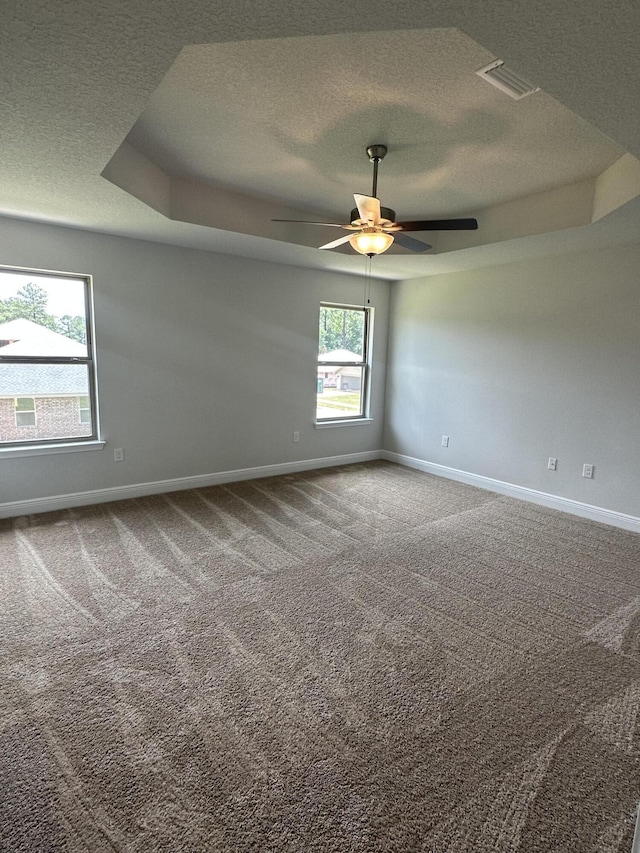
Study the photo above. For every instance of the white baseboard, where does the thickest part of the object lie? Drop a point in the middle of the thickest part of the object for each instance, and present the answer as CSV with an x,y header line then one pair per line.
x,y
595,513
138,490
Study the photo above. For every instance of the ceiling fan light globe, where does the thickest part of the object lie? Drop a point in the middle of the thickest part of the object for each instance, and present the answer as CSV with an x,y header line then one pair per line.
x,y
371,242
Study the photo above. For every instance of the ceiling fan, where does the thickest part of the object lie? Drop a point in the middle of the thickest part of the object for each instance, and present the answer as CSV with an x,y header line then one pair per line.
x,y
375,226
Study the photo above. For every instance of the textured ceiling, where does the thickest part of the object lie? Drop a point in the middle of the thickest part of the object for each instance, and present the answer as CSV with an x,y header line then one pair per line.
x,y
290,119
77,77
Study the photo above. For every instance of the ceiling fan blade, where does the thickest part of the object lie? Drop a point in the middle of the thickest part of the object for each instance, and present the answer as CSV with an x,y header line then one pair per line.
x,y
368,208
338,242
409,243
307,222
439,225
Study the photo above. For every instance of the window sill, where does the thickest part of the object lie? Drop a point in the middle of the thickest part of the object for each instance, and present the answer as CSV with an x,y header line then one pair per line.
x,y
47,449
342,423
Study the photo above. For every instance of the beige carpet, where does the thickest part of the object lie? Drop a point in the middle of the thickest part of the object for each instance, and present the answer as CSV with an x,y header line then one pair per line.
x,y
347,660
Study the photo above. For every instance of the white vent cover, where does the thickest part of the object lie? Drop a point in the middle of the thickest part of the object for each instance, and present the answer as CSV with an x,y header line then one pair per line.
x,y
505,80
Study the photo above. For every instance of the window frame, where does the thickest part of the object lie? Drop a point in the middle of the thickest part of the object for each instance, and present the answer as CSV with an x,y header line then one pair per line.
x,y
88,360
364,364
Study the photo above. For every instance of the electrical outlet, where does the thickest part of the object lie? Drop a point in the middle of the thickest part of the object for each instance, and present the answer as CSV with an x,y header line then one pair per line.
x,y
552,464
445,441
118,454
296,436
587,471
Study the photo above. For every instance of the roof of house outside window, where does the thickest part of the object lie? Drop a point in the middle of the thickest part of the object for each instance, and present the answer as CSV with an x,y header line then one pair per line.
x,y
336,355
43,380
40,380
28,338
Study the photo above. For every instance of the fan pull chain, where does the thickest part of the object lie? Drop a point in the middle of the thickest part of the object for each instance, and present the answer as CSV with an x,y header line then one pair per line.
x,y
366,296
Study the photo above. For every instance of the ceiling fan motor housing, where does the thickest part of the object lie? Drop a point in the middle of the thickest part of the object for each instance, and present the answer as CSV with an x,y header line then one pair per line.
x,y
385,214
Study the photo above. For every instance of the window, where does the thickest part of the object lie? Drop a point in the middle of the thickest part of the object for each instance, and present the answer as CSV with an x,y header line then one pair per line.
x,y
25,411
84,409
47,374
343,363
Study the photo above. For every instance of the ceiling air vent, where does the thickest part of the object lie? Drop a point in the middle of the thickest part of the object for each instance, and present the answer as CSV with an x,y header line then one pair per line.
x,y
505,80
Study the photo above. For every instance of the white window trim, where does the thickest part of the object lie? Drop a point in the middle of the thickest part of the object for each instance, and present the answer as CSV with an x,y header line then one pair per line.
x,y
15,451
344,422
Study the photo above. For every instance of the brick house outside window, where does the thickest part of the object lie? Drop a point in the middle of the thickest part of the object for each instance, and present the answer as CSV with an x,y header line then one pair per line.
x,y
42,401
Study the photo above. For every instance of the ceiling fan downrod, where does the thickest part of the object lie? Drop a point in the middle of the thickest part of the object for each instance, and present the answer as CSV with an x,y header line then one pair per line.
x,y
375,154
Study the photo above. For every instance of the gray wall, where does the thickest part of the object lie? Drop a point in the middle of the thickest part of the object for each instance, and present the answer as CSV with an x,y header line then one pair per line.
x,y
206,362
519,363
